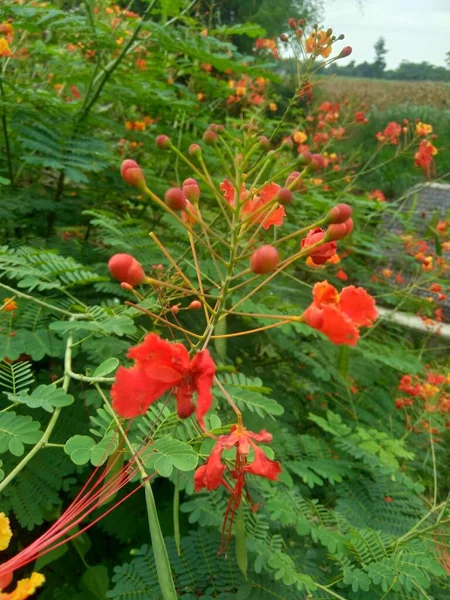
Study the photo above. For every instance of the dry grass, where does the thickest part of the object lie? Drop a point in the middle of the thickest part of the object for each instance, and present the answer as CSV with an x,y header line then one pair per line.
x,y
384,94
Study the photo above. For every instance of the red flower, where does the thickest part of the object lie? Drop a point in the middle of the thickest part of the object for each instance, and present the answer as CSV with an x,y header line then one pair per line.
x,y
210,475
424,157
159,367
390,134
339,316
322,253
273,215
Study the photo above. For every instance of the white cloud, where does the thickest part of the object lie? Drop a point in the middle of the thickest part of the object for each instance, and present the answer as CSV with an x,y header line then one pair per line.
x,y
415,30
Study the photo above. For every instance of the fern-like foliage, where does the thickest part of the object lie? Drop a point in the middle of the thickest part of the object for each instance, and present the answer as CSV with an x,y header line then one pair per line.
x,y
198,572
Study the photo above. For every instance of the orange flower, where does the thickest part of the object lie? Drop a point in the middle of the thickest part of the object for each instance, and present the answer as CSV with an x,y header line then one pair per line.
x,y
339,316
390,133
319,43
9,305
25,588
423,129
273,215
299,137
5,50
377,195
273,107
7,30
424,156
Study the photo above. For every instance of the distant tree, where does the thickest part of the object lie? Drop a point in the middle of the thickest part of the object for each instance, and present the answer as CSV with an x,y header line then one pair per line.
x,y
447,59
379,65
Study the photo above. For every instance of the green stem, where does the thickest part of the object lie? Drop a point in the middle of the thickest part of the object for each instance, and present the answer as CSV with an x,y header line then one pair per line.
x,y
162,562
5,133
40,302
51,424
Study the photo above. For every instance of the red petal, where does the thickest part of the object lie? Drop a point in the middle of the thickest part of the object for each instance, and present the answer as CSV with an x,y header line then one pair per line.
x,y
269,192
357,304
338,327
263,437
161,360
313,316
263,466
276,218
203,370
185,406
133,392
325,293
210,474
228,191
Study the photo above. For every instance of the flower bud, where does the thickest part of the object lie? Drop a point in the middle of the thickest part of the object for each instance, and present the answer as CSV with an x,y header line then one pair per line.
x,y
284,37
175,309
126,268
292,24
210,137
191,190
293,182
346,51
299,33
264,143
264,260
338,231
132,173
341,37
195,305
284,196
339,213
175,198
163,142
126,286
301,22
194,150
218,128
287,144
317,162
305,157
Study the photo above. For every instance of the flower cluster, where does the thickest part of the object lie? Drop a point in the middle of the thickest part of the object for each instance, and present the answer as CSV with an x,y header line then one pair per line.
x,y
426,395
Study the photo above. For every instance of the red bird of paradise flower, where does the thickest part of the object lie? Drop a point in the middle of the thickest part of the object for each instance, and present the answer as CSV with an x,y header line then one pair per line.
x,y
211,474
254,205
339,316
161,366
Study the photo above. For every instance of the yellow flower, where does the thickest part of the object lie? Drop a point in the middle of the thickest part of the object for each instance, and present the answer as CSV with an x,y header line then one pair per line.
x,y
5,50
423,128
5,531
300,137
25,588
273,107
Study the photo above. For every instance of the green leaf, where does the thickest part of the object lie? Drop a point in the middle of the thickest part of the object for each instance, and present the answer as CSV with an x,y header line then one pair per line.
x,y
17,430
96,581
106,367
166,453
47,397
82,448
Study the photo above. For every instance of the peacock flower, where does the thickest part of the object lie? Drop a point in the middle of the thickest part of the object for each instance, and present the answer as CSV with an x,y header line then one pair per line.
x,y
211,474
339,316
262,208
319,43
161,366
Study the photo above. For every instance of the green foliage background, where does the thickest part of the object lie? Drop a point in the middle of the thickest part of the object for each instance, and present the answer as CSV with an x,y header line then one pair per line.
x,y
346,518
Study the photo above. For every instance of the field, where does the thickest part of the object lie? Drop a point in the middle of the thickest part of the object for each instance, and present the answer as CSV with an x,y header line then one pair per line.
x,y
383,94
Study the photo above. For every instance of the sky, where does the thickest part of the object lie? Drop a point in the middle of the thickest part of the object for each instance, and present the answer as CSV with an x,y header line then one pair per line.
x,y
415,30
